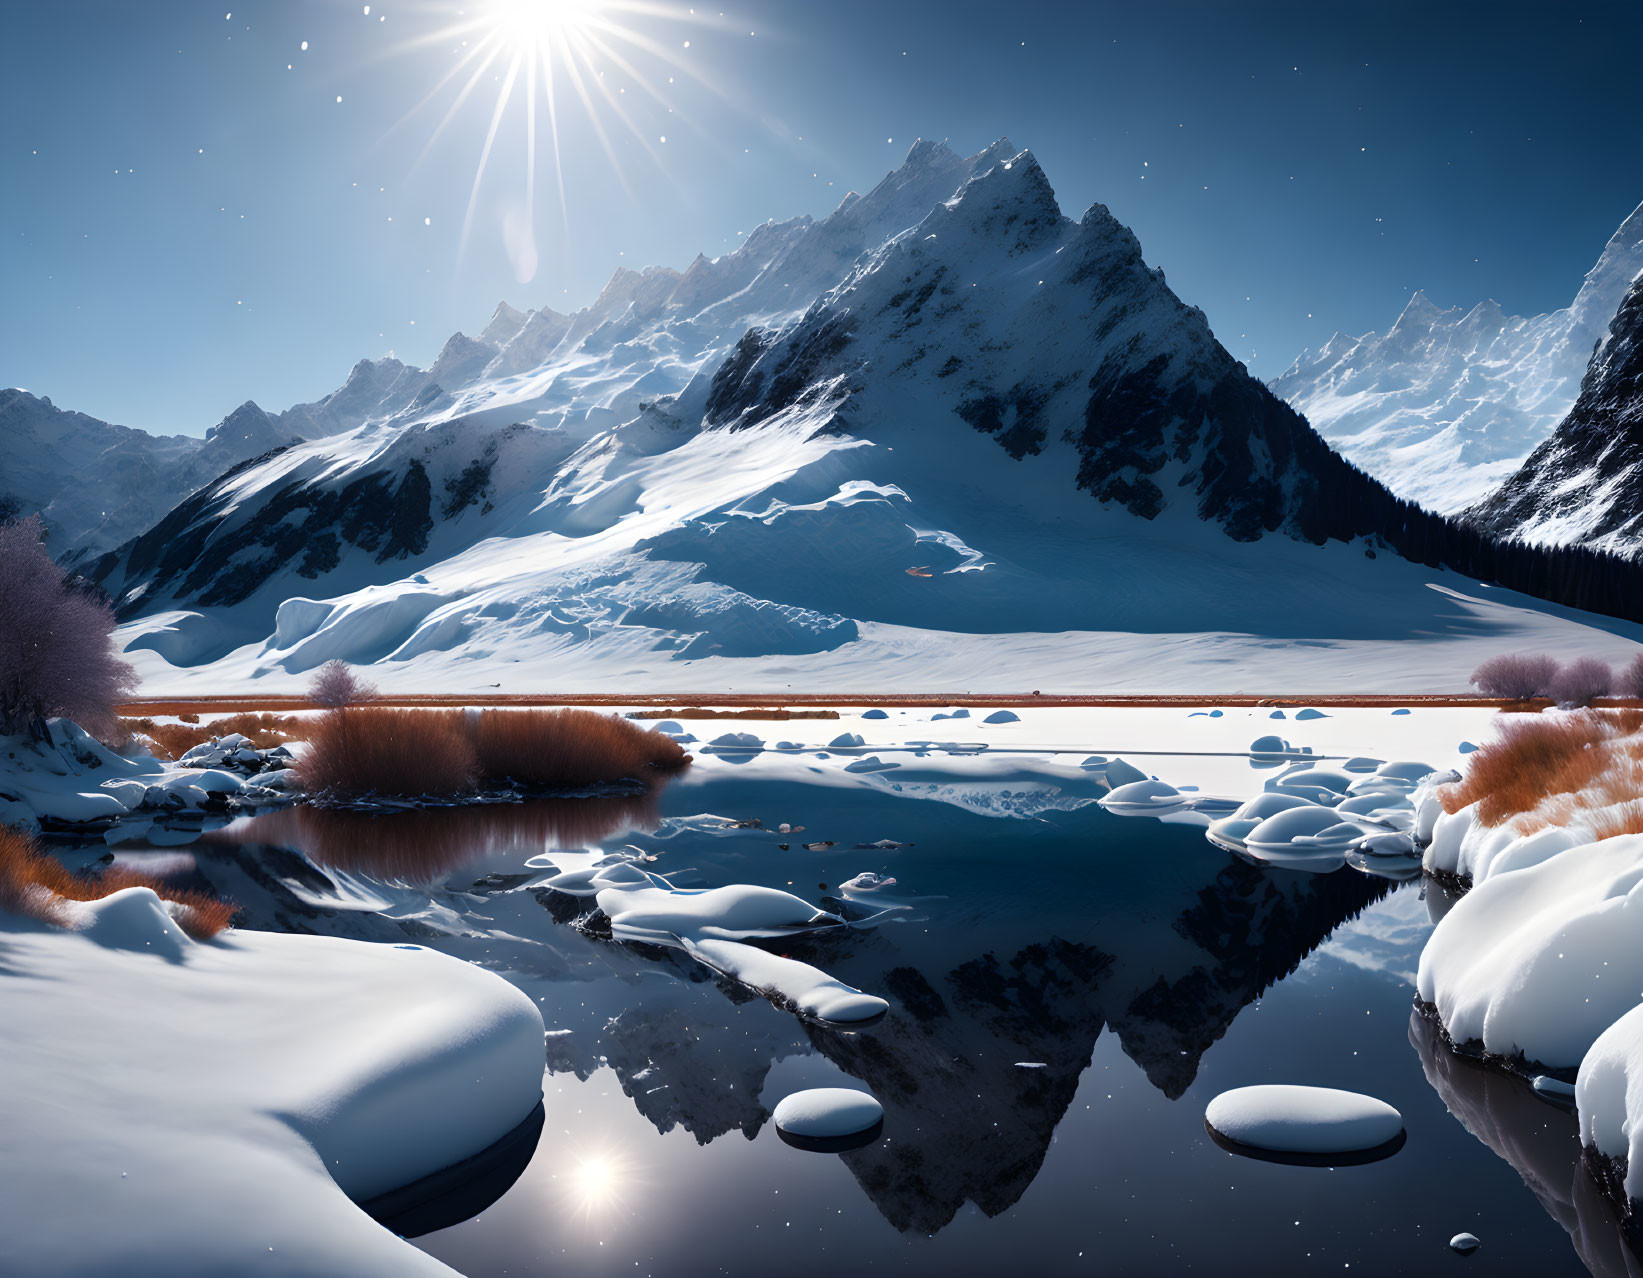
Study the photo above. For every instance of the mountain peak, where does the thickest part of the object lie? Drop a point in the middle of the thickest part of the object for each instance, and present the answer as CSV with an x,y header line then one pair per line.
x,y
506,321
1011,202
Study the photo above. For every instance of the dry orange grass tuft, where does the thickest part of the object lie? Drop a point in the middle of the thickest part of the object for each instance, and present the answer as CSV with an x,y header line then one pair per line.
x,y
33,884
369,750
568,748
1620,818
1530,760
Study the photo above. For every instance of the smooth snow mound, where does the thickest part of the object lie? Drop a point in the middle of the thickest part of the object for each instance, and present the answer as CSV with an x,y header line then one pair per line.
x,y
1542,959
1289,1119
823,1112
1609,1097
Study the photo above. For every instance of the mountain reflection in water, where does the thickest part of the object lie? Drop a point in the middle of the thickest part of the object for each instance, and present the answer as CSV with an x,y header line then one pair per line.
x,y
426,846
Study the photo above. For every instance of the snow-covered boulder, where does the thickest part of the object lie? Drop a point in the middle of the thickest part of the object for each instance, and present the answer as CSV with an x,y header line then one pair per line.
x,y
1305,829
734,743
1609,1101
1231,831
1315,783
1287,1119
1539,961
1143,797
827,1114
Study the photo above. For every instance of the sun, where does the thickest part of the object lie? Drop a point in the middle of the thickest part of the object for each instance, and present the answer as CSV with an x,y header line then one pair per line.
x,y
568,64
532,27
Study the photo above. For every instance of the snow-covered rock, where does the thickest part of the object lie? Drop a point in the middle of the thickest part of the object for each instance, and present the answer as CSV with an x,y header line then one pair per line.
x,y
1283,1118
1537,961
1609,1100
823,1113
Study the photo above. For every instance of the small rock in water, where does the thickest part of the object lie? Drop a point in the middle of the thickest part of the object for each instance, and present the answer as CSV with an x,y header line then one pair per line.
x,y
1465,1244
821,846
1554,1090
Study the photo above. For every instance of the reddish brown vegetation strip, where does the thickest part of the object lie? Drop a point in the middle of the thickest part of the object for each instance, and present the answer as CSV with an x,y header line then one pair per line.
x,y
384,750
34,884
389,750
935,700
263,730
701,712
568,748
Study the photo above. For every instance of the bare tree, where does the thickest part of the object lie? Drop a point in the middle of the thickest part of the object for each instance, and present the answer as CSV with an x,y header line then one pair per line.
x,y
56,651
1629,682
336,687
1582,682
1517,676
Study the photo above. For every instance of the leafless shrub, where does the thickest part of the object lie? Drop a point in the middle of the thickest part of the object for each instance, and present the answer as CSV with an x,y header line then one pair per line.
x,y
1516,676
56,652
336,687
1582,682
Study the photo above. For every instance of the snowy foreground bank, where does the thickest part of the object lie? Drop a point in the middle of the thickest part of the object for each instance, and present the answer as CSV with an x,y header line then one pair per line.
x,y
211,1108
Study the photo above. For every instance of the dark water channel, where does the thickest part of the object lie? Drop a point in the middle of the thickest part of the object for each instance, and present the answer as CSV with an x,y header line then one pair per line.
x,y
1067,993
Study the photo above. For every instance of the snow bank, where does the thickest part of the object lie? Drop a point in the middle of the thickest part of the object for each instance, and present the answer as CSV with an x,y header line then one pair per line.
x,y
238,1093
1539,961
1609,1099
1287,1119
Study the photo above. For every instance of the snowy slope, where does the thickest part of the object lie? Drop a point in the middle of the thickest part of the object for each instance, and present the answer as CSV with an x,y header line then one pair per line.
x,y
1584,485
1446,403
944,437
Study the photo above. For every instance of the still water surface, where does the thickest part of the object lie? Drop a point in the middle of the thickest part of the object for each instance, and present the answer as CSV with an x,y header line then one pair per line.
x,y
1068,992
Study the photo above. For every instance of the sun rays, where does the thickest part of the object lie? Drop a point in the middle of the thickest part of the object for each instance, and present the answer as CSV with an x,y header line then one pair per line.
x,y
566,64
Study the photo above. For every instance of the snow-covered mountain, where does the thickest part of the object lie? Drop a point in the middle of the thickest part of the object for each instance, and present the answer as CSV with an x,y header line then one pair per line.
x,y
1584,485
1447,403
944,434
98,484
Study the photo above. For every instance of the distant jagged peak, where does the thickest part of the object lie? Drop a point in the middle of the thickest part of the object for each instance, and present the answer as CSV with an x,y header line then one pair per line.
x,y
506,321
1421,310
246,422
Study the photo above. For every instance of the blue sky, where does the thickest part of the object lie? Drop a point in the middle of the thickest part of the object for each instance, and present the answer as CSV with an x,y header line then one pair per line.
x,y
191,218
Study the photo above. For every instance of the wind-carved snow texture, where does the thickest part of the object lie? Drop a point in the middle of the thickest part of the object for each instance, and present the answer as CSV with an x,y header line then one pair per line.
x,y
943,430
1583,484
1446,404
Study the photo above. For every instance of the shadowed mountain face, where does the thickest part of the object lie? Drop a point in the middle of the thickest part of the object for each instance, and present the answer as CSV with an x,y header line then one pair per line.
x,y
1584,484
1001,972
